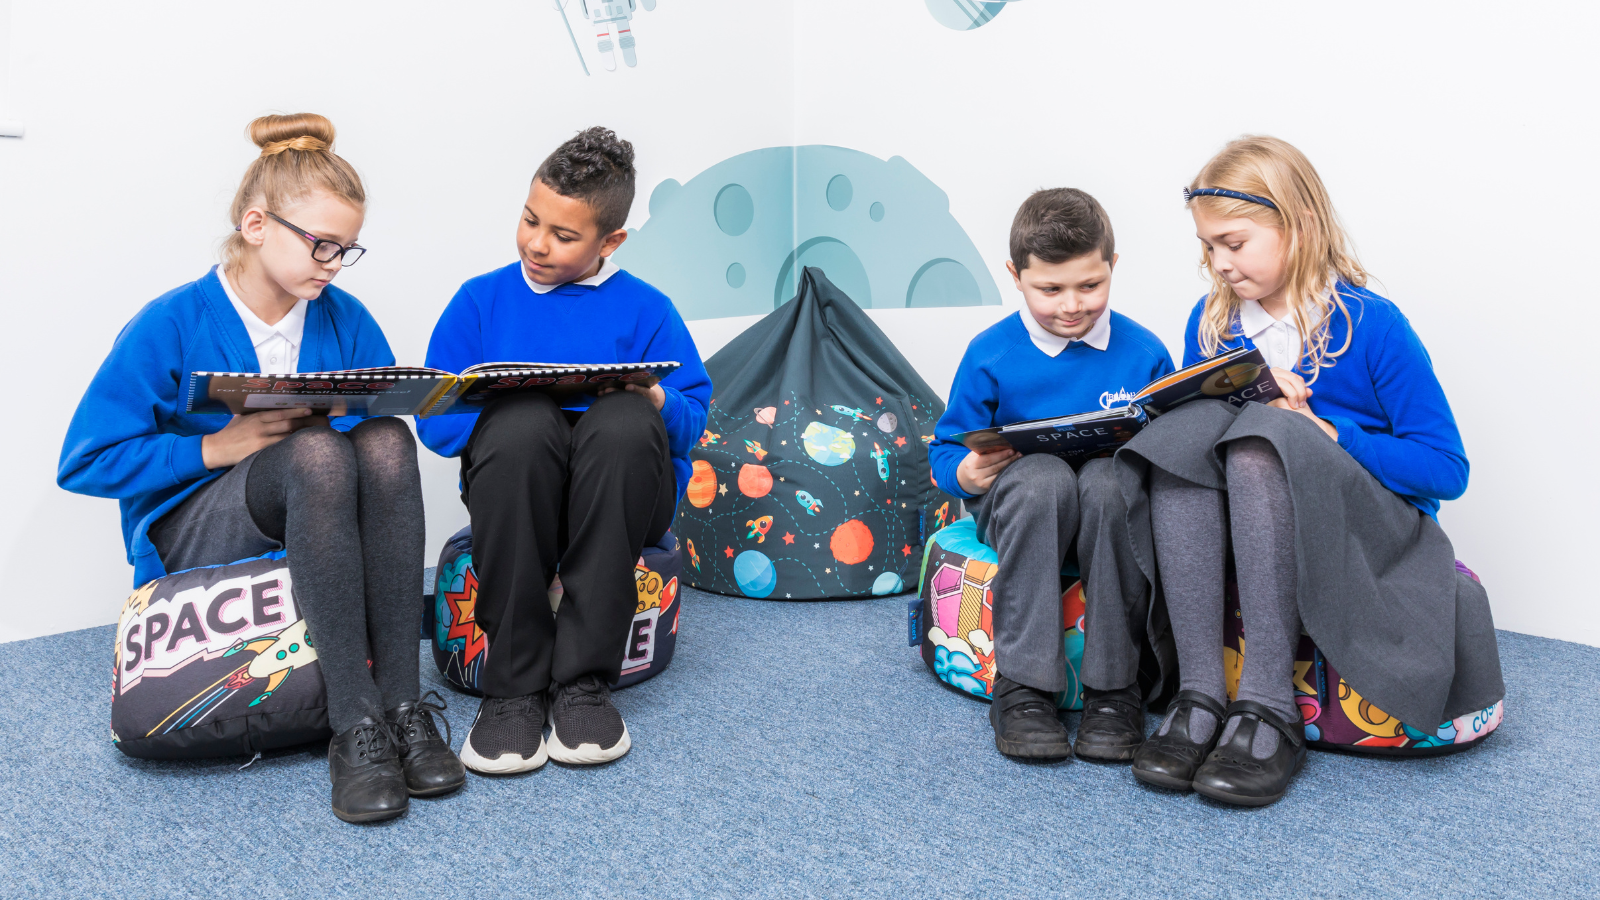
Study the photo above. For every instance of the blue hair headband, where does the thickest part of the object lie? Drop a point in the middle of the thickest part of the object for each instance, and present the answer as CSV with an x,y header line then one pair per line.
x,y
1189,194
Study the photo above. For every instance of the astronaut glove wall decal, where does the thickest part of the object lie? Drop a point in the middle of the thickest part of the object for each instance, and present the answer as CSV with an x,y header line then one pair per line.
x,y
608,17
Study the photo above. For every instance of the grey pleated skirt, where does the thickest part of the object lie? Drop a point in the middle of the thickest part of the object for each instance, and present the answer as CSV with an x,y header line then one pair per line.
x,y
1379,592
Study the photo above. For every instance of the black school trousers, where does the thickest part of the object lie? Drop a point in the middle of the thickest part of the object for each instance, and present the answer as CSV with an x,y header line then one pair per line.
x,y
550,489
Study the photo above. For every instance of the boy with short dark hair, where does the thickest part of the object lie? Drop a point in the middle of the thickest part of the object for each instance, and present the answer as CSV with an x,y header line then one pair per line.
x,y
585,487
1064,352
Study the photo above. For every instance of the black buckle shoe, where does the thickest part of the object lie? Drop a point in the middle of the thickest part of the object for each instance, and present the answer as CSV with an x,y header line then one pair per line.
x,y
364,765
1233,775
585,728
1025,723
1170,760
1112,727
430,767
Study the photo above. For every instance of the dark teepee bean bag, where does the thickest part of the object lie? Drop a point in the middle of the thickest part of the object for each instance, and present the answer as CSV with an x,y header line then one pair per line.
x,y
812,477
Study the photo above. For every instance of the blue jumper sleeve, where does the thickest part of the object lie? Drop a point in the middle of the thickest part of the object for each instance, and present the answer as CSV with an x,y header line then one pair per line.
x,y
688,390
1423,455
114,445
974,398
456,344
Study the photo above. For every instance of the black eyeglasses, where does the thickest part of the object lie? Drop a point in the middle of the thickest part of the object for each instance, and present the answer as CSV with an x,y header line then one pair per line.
x,y
324,251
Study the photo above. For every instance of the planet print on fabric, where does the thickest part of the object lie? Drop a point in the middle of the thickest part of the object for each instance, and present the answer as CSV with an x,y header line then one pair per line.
x,y
754,481
851,542
828,445
702,485
766,415
887,583
755,574
888,422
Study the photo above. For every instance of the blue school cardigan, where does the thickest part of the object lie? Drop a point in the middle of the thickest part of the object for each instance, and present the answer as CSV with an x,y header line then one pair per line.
x,y
130,438
496,317
1383,397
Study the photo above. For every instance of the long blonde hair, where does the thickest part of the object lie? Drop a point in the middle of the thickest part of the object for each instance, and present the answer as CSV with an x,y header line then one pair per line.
x,y
1317,250
296,159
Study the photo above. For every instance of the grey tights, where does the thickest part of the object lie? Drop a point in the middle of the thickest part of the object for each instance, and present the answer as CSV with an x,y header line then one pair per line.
x,y
1191,537
348,508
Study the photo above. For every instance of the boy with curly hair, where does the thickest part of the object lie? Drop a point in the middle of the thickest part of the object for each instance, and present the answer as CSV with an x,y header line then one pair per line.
x,y
584,487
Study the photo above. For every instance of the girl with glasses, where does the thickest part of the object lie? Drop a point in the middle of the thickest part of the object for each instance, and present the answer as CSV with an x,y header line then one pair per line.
x,y
342,497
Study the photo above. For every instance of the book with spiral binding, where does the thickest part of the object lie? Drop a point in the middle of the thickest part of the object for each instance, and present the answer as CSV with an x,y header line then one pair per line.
x,y
409,391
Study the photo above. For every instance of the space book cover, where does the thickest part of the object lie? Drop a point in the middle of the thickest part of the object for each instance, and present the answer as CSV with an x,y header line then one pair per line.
x,y
1237,376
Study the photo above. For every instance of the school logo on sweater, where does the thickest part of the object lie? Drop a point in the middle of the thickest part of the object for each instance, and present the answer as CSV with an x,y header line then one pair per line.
x,y
1119,397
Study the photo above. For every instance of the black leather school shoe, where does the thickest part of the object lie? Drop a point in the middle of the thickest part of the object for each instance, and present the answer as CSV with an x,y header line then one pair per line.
x,y
1112,727
1025,723
1231,774
1170,760
364,765
430,768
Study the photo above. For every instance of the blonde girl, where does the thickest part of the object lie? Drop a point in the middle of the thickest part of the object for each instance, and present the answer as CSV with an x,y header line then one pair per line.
x,y
1327,496
343,498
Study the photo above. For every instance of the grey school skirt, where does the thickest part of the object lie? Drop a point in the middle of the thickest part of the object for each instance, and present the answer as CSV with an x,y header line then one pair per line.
x,y
1379,591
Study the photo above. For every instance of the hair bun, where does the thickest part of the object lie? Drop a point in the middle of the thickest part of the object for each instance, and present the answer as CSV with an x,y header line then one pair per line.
x,y
300,131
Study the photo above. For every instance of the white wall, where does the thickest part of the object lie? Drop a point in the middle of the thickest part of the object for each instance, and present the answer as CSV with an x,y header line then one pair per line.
x,y
1458,141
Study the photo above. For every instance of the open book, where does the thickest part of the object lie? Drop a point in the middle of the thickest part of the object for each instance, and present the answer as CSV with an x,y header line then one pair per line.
x,y
409,391
1236,376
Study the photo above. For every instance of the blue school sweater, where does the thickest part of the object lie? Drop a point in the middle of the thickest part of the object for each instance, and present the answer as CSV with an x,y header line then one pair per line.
x,y
1383,397
1004,378
496,317
130,438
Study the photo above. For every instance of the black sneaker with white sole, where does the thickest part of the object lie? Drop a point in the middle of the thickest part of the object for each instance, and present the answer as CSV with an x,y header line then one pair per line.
x,y
585,729
507,736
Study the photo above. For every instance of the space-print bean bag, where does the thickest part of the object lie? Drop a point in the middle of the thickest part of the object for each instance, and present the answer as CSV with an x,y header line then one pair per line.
x,y
951,620
460,646
216,661
1337,717
812,479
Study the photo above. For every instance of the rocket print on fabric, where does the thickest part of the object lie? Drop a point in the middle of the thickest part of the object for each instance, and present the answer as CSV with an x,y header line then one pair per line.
x,y
693,556
758,529
882,457
853,413
811,504
755,448
708,438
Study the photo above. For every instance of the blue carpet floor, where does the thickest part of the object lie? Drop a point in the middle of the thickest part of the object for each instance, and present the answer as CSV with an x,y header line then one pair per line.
x,y
795,750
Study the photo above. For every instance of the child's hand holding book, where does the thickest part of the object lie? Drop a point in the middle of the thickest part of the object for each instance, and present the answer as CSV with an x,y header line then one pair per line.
x,y
978,471
1296,398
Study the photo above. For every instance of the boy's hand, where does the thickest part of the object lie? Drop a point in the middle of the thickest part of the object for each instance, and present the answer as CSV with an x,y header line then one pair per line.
x,y
244,435
978,471
657,396
1295,399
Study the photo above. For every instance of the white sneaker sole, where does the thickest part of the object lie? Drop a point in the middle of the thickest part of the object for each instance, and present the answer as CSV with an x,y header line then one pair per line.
x,y
505,763
587,754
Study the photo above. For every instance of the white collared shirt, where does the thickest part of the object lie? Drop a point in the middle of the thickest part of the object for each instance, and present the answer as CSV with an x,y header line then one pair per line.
x,y
1277,339
277,346
607,269
1099,336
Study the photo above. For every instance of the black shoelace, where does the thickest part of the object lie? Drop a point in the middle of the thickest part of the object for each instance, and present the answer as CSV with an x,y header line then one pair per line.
x,y
419,719
522,706
588,690
373,739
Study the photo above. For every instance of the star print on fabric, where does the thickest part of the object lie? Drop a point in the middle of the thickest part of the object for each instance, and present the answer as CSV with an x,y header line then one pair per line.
x,y
788,538
729,551
722,489
880,401
906,550
900,441
869,568
858,493
785,403
827,571
816,546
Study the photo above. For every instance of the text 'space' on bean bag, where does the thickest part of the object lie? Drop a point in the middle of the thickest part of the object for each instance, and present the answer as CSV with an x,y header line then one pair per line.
x,y
812,477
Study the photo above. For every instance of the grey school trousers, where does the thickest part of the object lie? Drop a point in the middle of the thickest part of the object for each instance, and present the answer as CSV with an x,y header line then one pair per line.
x,y
1037,515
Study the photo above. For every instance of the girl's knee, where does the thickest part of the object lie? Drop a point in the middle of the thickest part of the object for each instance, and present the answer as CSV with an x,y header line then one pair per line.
x,y
1252,457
